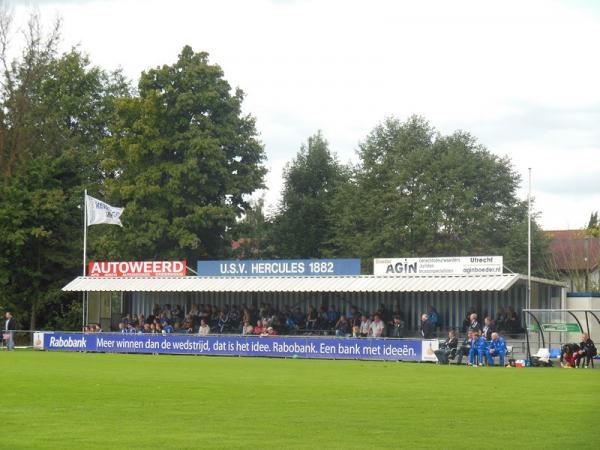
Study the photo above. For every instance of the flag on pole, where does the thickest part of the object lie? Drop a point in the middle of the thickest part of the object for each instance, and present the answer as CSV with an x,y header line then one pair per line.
x,y
100,212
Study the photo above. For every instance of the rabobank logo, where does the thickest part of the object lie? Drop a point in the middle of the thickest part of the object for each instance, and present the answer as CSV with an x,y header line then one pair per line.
x,y
60,342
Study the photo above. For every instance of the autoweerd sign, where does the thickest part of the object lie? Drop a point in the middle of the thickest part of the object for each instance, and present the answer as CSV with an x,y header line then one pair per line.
x,y
454,265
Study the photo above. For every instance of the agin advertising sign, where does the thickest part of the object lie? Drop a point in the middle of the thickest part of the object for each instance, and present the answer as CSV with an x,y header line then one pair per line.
x,y
459,265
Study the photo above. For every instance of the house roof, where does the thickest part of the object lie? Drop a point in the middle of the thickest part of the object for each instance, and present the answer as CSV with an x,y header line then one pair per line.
x,y
572,250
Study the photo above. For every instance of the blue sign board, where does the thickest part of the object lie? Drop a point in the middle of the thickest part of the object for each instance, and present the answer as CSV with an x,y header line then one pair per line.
x,y
272,346
270,268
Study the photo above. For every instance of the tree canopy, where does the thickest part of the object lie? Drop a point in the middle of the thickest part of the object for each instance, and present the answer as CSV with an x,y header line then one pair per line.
x,y
183,159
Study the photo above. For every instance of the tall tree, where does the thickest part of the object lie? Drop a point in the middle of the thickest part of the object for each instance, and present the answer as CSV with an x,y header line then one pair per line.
x,y
55,110
418,193
303,227
182,159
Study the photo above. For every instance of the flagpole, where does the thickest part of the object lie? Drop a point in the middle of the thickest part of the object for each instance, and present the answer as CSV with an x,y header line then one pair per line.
x,y
84,230
84,254
529,244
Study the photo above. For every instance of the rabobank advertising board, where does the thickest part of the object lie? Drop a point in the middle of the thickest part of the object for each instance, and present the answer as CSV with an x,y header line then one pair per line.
x,y
269,346
270,268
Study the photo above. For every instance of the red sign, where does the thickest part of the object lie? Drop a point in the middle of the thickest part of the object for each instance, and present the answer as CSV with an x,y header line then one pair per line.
x,y
136,269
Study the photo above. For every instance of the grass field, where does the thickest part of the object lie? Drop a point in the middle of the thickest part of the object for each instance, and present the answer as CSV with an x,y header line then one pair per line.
x,y
77,400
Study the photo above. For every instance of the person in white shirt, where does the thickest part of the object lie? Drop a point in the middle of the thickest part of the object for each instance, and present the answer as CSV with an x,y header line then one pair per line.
x,y
204,329
377,327
365,323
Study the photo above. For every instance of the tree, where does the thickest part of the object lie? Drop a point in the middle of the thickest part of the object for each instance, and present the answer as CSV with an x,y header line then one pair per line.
x,y
55,110
255,231
418,193
593,228
302,227
182,159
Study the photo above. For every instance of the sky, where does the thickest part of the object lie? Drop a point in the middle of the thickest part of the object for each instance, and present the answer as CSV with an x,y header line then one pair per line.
x,y
521,76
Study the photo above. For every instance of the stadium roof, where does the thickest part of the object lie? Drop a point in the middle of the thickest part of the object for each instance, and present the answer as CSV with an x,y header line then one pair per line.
x,y
358,283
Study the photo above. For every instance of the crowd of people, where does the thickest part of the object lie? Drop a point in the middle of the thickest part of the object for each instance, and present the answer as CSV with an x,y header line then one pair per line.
x,y
482,343
267,320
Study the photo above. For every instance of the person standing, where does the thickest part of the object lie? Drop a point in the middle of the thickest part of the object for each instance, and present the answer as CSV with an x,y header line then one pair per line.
x,y
9,330
427,328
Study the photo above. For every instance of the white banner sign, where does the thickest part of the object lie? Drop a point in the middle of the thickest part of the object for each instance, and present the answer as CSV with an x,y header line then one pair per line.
x,y
459,265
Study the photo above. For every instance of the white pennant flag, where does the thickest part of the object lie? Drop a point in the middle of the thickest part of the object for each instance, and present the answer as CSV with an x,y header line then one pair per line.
x,y
99,212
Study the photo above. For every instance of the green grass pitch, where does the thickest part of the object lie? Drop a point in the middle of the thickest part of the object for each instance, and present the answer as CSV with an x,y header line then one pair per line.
x,y
87,401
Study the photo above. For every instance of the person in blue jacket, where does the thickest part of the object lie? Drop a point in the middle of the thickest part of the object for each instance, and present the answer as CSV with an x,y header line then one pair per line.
x,y
479,345
497,348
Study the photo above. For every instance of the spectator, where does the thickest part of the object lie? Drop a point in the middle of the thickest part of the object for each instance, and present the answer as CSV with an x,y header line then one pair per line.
x,y
465,347
365,324
332,316
446,348
258,329
500,319
512,322
497,348
466,323
587,350
474,324
9,331
397,327
433,316
427,328
168,329
479,346
123,328
204,328
488,328
342,327
311,318
271,332
377,327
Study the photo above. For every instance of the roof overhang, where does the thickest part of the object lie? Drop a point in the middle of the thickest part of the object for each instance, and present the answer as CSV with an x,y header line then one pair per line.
x,y
358,283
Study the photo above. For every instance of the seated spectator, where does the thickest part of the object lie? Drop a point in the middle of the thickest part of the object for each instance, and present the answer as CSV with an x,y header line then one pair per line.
x,y
396,327
311,318
222,321
258,329
377,327
512,321
188,323
447,347
474,324
168,329
488,328
497,348
204,328
466,323
479,347
365,324
298,317
465,347
427,328
342,327
587,350
356,331
332,317
271,332
500,319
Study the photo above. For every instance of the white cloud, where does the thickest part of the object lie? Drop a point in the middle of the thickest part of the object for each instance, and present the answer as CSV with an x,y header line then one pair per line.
x,y
520,75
